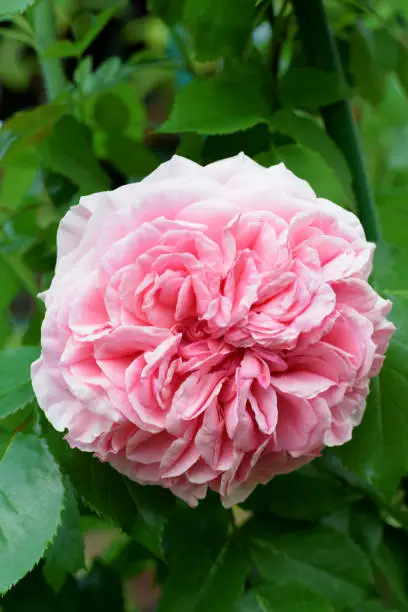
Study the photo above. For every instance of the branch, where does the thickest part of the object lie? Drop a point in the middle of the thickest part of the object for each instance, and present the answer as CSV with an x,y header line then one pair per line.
x,y
321,52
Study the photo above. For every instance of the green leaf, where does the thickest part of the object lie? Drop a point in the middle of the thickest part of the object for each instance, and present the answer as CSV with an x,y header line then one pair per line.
x,y
96,5
111,113
191,146
386,49
103,489
309,88
391,206
31,500
62,49
23,272
35,122
6,140
386,548
31,127
168,10
10,7
366,526
402,66
207,569
310,166
119,112
66,553
83,75
4,327
19,35
98,23
284,598
322,559
378,451
253,141
307,494
9,285
68,151
18,178
109,73
231,101
364,66
15,379
154,505
214,584
139,511
218,27
308,133
373,605
391,561
130,157
21,419
117,119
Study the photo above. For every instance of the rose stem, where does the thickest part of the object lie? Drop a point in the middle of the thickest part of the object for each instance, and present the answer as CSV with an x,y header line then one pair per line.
x,y
321,52
44,27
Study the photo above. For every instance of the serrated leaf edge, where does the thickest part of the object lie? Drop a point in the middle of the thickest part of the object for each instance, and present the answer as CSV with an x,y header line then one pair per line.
x,y
48,542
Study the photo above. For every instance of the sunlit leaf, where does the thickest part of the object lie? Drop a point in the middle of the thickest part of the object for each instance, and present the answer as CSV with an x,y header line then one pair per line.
x,y
234,100
9,7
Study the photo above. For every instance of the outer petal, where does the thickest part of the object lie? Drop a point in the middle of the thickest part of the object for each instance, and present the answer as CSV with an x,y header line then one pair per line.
x,y
73,225
176,166
226,169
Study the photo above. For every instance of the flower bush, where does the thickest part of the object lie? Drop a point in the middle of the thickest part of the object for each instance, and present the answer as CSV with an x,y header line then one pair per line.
x,y
203,305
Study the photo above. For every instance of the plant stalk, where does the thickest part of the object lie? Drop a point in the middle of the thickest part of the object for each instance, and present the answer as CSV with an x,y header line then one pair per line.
x,y
321,52
45,36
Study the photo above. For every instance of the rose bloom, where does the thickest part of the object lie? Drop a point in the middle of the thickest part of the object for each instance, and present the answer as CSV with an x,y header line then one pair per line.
x,y
210,327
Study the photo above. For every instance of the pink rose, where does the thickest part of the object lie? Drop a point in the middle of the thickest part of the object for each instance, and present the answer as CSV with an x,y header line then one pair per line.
x,y
210,327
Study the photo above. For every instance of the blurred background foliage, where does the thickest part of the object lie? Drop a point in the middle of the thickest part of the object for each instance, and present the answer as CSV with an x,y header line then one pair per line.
x,y
97,93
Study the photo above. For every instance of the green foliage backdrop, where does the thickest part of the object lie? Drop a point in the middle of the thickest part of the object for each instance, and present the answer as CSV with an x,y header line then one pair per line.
x,y
97,93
